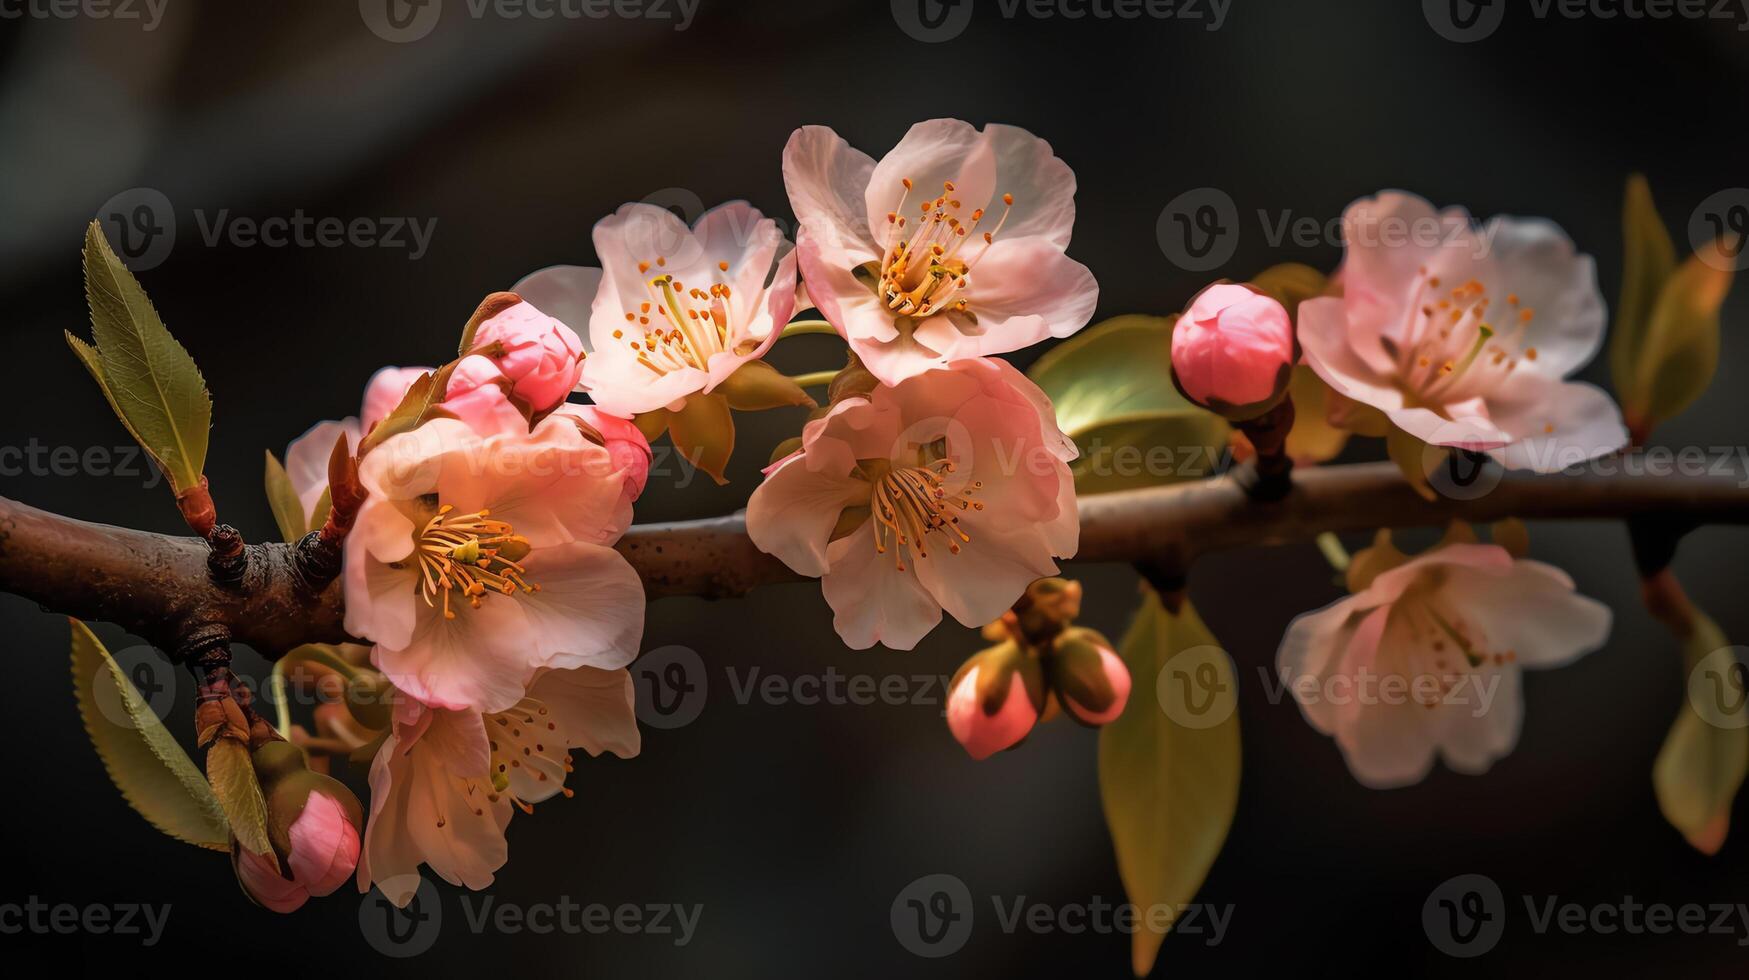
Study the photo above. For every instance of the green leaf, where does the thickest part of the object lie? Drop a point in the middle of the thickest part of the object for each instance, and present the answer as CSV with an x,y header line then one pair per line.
x,y
1291,284
153,773
232,774
1169,766
288,510
1648,259
1706,755
151,383
1112,388
1681,347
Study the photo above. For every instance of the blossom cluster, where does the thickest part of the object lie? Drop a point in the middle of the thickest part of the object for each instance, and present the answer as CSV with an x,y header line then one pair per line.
x,y
481,569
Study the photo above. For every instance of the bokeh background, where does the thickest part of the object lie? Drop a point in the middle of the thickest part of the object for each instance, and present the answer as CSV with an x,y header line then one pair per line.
x,y
795,827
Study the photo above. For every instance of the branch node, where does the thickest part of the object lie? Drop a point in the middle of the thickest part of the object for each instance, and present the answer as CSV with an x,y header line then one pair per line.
x,y
229,560
203,645
316,561
1268,477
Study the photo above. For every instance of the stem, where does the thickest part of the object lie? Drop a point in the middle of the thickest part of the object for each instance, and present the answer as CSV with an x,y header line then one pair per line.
x,y
816,379
281,707
801,327
1334,552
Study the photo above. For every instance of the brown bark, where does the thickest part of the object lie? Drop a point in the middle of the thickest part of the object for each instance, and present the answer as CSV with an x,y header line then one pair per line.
x,y
160,587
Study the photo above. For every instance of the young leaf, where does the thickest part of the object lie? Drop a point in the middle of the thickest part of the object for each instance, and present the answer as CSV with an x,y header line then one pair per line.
x,y
421,403
153,773
288,511
1291,283
1648,259
151,383
232,775
1169,766
1680,352
1706,755
1112,388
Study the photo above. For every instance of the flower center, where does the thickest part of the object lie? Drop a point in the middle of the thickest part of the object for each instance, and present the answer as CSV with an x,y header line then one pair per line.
x,y
1454,645
923,268
910,503
525,737
470,554
689,325
1450,347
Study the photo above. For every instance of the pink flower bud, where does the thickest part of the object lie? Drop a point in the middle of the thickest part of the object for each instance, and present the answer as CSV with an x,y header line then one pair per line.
x,y
1116,678
1233,351
538,355
479,394
324,846
322,857
984,734
625,443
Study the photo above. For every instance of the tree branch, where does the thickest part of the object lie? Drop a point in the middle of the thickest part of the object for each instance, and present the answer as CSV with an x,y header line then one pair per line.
x,y
159,587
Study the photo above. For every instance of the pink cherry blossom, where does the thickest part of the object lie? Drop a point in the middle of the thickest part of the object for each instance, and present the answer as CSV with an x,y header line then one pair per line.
x,y
1233,350
950,247
476,561
445,783
984,735
1426,660
673,311
1463,336
324,853
306,459
949,491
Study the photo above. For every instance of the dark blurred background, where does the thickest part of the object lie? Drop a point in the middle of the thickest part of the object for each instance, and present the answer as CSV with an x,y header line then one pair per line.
x,y
795,827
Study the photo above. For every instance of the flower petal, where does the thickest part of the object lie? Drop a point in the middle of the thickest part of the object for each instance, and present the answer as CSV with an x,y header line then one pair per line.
x,y
872,601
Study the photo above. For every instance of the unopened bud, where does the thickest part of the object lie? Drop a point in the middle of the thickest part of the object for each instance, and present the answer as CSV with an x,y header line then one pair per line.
x,y
995,700
1088,678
